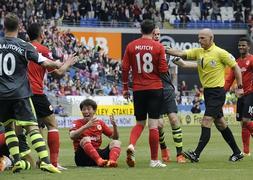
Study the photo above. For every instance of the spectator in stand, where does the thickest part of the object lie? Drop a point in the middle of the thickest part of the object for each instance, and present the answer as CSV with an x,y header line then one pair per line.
x,y
196,105
205,6
183,88
184,19
164,7
187,6
136,13
238,17
216,10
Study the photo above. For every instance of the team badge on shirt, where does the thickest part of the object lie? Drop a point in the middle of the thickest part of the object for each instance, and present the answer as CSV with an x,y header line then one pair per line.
x,y
213,63
99,127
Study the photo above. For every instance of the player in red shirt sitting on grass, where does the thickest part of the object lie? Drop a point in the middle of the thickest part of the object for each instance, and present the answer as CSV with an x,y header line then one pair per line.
x,y
87,133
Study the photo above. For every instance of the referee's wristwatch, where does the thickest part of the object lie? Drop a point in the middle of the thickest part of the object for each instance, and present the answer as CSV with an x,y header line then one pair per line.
x,y
240,86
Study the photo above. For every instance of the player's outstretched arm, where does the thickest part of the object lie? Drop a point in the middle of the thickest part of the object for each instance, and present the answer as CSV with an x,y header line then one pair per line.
x,y
51,64
70,60
185,64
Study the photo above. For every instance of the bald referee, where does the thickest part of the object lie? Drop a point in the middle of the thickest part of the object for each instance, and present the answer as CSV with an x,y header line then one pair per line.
x,y
212,61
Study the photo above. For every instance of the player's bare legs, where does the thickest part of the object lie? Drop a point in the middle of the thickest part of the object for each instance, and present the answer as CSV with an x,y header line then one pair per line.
x,y
134,136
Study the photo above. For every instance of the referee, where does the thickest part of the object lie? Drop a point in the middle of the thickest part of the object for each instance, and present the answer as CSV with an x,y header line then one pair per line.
x,y
212,61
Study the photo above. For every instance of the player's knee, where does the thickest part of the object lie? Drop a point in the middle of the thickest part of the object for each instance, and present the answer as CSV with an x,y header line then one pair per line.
x,y
207,122
84,140
114,143
50,122
142,123
220,124
30,129
174,121
160,124
152,123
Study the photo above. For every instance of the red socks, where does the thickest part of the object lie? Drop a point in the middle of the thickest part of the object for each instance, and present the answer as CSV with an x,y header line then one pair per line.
x,y
245,139
153,143
91,151
53,142
249,126
2,140
247,130
114,153
136,133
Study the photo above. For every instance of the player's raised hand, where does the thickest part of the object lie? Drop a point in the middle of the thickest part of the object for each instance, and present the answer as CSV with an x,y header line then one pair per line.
x,y
126,94
71,59
91,122
239,92
112,120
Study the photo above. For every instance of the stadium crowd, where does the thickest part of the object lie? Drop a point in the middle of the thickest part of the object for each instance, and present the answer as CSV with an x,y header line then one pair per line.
x,y
133,11
95,68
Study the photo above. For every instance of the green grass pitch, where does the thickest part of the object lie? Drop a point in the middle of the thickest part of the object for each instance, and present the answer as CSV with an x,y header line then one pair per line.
x,y
213,163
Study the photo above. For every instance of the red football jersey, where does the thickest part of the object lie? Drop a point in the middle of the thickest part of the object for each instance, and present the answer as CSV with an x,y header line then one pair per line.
x,y
36,72
246,66
146,58
95,132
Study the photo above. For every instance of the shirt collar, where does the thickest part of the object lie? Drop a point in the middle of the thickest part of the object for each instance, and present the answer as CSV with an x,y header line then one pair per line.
x,y
211,48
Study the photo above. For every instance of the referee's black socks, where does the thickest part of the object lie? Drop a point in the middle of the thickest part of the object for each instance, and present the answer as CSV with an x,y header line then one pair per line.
x,y
203,140
229,138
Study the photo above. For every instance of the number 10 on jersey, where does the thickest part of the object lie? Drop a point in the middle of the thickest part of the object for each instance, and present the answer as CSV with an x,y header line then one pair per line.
x,y
4,64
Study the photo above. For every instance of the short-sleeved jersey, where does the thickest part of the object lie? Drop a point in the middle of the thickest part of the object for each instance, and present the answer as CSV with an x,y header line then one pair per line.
x,y
36,72
95,132
211,65
14,56
246,66
146,58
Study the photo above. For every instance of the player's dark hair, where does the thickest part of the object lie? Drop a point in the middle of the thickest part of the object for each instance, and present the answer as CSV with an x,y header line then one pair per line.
x,y
88,102
245,39
147,26
34,31
11,22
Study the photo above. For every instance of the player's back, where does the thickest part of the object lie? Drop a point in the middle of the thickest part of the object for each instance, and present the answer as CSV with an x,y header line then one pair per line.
x,y
146,58
13,66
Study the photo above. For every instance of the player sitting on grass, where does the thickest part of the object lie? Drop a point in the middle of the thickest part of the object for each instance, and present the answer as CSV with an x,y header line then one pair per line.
x,y
87,133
